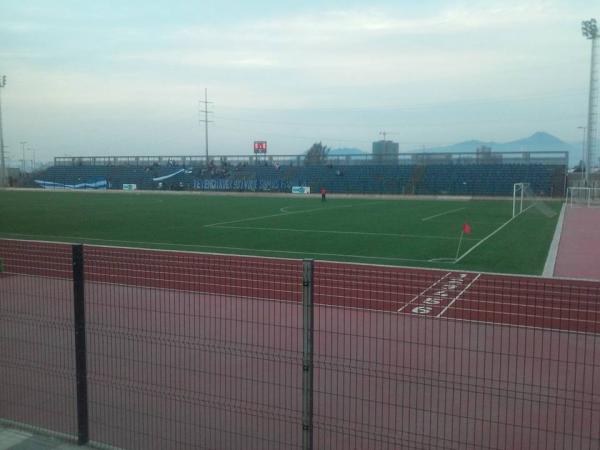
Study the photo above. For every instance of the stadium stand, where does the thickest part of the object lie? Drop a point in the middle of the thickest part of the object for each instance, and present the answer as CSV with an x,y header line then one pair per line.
x,y
461,174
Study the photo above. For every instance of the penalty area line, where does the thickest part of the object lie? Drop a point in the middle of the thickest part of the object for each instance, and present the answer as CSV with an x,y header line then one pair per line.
x,y
287,213
443,214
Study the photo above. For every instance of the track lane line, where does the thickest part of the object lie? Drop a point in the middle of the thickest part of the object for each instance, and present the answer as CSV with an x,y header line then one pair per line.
x,y
421,293
458,296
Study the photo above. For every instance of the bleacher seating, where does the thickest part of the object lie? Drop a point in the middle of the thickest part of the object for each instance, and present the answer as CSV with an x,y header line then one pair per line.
x,y
485,179
433,179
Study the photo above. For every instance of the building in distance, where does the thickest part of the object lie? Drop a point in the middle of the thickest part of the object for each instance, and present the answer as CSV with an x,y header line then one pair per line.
x,y
386,152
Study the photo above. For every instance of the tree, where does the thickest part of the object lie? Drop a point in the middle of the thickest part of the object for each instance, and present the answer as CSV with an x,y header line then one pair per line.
x,y
317,154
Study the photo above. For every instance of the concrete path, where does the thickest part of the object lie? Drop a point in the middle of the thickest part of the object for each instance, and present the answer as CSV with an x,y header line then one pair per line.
x,y
15,439
579,248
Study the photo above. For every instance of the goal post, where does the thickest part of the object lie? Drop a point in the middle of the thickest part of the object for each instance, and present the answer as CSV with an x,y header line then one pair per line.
x,y
583,196
524,199
520,193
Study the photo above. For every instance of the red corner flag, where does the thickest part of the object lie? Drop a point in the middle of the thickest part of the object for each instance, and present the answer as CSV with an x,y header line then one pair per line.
x,y
467,228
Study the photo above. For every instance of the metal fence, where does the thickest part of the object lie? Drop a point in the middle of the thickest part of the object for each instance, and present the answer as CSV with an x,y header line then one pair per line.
x,y
549,157
146,349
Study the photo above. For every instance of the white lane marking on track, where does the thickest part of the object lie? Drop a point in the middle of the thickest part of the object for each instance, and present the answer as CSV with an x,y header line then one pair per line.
x,y
444,213
490,235
425,290
458,296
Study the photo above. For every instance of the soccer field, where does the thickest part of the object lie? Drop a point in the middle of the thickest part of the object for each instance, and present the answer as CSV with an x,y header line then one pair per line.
x,y
423,233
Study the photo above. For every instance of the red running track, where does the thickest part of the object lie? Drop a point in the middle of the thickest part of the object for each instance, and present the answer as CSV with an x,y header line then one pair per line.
x,y
169,361
579,248
514,300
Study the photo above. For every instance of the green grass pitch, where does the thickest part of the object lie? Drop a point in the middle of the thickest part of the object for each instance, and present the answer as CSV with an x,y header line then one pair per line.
x,y
422,233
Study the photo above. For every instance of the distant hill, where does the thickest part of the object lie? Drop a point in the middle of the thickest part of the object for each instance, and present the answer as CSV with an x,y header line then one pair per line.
x,y
537,142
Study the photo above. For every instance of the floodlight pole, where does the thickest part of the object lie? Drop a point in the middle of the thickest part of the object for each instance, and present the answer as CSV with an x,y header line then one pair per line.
x,y
2,161
590,31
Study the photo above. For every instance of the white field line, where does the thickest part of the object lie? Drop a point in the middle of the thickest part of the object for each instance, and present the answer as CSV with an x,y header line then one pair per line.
x,y
458,296
490,235
443,214
284,209
171,246
287,213
365,233
424,290
553,250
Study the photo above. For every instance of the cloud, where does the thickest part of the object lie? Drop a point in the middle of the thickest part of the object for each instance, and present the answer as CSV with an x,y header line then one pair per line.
x,y
133,75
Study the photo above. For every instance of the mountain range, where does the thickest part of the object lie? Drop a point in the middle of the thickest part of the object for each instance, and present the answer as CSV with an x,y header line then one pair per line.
x,y
537,142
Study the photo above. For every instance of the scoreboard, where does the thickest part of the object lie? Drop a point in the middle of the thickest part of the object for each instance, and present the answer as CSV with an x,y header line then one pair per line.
x,y
260,146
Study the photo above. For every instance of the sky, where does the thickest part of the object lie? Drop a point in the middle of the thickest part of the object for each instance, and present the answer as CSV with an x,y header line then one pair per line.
x,y
126,77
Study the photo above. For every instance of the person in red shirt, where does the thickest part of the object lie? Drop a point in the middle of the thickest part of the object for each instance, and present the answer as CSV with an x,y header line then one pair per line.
x,y
323,194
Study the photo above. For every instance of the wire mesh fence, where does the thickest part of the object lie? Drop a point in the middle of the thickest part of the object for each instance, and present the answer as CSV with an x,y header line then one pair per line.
x,y
190,350
37,366
428,359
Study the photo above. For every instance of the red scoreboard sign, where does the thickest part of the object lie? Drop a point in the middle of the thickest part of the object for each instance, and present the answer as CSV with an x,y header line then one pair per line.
x,y
260,146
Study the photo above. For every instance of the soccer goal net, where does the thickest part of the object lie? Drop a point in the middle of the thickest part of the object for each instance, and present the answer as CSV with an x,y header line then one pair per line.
x,y
583,196
525,199
522,198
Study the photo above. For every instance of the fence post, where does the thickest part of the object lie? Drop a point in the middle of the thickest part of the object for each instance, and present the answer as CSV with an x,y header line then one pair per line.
x,y
80,351
307,355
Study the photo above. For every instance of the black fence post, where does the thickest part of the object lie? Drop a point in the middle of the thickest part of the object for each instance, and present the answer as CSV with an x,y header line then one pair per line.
x,y
80,351
307,355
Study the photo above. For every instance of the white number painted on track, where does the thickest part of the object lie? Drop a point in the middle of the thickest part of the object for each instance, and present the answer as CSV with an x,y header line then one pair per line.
x,y
422,310
441,295
432,301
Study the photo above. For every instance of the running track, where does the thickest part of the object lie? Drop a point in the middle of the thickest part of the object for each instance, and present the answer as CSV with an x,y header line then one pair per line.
x,y
160,322
571,305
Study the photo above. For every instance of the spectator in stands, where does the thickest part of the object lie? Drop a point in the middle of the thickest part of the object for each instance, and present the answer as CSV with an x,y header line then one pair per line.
x,y
323,194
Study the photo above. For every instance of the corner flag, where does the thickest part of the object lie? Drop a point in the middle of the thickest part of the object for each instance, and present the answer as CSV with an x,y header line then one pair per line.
x,y
466,229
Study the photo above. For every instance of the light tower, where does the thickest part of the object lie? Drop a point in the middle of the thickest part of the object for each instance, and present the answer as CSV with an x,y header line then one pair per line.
x,y
589,28
2,162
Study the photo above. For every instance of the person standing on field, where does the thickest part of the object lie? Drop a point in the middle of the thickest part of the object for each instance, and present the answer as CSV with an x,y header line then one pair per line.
x,y
323,194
